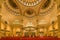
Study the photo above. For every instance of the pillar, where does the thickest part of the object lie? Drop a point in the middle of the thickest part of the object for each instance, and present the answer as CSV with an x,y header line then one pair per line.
x,y
5,28
58,17
37,30
12,27
0,22
53,28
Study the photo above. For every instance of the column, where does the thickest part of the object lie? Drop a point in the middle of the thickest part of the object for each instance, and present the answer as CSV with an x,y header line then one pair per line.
x,y
47,31
5,28
21,30
53,28
58,18
0,25
37,30
12,30
0,22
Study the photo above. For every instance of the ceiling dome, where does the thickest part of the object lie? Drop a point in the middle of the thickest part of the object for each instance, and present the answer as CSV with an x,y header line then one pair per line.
x,y
29,2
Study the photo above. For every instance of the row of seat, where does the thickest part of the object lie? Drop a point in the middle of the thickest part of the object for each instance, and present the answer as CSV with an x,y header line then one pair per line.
x,y
29,38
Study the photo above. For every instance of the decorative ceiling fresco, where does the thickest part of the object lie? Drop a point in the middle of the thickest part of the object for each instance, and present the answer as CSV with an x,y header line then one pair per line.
x,y
29,11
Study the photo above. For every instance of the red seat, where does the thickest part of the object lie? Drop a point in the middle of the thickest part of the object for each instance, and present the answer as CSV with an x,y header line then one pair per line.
x,y
30,38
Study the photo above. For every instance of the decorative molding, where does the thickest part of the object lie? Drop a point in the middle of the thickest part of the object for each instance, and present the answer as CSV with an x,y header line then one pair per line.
x,y
47,11
10,10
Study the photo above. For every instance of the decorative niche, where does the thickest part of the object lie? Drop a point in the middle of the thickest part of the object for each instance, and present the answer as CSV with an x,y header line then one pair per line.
x,y
46,4
12,4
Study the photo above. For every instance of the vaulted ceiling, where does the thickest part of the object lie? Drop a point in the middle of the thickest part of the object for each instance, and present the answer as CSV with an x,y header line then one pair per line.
x,y
26,14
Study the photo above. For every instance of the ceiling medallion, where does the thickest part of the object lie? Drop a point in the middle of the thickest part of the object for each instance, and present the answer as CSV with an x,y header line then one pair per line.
x,y
29,2
30,13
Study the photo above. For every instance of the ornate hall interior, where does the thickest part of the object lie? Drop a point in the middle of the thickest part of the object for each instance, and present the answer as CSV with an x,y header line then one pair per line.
x,y
29,19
